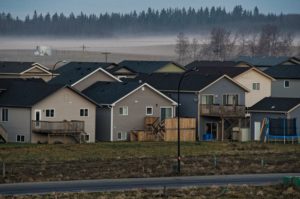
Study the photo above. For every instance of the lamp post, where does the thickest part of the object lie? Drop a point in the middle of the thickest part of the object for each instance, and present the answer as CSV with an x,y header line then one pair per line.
x,y
178,116
53,68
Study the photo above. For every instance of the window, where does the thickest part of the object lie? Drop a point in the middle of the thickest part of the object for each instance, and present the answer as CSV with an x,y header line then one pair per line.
x,y
256,86
4,115
20,138
286,84
207,99
149,110
49,112
230,99
122,136
84,112
166,112
123,110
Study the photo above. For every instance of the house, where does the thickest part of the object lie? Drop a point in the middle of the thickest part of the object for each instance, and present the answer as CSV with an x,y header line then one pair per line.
x,y
256,81
217,101
33,111
262,62
131,68
124,106
275,108
287,82
10,69
81,75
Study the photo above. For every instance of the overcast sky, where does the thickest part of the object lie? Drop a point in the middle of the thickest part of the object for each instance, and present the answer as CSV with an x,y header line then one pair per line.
x,y
23,7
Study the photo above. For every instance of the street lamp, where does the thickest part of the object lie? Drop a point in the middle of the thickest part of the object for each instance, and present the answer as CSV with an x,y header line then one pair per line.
x,y
178,115
53,68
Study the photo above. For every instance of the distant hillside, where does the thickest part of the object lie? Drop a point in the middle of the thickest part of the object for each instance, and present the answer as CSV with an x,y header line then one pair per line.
x,y
151,21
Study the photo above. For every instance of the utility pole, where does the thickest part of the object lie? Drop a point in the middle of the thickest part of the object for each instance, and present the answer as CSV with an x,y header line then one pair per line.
x,y
106,55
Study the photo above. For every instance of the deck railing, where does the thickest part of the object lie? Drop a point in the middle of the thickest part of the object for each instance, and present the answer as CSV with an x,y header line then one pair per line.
x,y
3,133
222,110
63,127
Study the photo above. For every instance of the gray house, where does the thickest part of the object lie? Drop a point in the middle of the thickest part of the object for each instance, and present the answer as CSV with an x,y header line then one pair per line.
x,y
275,108
287,82
216,101
33,111
81,75
123,107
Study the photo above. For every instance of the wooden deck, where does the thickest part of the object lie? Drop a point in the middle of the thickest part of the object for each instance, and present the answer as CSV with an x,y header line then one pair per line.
x,y
222,110
3,134
58,127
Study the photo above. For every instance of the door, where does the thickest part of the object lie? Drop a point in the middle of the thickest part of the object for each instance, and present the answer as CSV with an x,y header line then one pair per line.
x,y
37,118
212,129
257,126
166,112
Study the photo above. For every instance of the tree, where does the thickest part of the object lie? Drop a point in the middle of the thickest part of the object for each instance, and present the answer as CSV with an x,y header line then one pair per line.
x,y
182,48
194,49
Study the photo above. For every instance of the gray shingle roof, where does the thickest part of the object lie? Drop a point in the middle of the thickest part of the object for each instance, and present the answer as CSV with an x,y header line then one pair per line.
x,y
25,93
199,64
262,60
14,67
279,104
169,81
109,92
74,71
144,66
284,71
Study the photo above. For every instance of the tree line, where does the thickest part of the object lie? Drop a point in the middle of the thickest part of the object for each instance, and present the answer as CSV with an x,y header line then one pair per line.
x,y
224,44
149,21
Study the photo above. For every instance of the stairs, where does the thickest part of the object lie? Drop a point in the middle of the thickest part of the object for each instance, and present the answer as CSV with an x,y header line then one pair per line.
x,y
3,134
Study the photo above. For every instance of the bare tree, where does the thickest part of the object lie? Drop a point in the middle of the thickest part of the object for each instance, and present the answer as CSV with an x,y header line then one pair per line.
x,y
194,49
252,44
182,48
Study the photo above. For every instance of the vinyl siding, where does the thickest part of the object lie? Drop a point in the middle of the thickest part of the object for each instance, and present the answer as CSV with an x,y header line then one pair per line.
x,y
278,89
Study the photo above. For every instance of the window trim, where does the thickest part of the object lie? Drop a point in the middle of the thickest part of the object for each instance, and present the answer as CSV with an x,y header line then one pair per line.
x,y
84,115
2,113
20,141
206,95
122,107
256,86
151,110
50,113
236,94
285,82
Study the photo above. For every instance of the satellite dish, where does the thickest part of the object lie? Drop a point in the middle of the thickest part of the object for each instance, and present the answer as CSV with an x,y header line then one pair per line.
x,y
42,51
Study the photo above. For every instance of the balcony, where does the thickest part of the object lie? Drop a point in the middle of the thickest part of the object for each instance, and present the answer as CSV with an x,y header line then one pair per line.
x,y
215,110
58,127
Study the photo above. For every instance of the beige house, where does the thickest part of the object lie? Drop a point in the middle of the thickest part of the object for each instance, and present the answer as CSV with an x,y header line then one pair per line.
x,y
32,111
24,70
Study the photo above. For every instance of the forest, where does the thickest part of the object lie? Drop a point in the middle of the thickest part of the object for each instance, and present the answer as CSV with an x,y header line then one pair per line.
x,y
146,22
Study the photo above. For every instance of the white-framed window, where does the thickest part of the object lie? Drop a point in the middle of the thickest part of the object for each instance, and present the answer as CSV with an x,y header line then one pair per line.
x,y
122,136
123,110
4,115
256,86
230,99
49,112
207,99
286,84
149,110
20,138
84,112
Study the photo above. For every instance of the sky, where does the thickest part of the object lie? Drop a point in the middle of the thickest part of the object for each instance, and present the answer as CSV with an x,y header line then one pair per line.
x,y
23,7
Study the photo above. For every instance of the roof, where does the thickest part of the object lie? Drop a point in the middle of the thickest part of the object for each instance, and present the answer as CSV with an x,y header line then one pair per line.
x,y
284,71
16,67
230,71
101,92
198,64
26,93
145,66
192,82
275,104
262,60
74,71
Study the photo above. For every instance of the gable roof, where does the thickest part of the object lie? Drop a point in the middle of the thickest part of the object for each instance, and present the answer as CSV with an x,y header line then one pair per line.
x,y
19,67
26,93
109,93
205,63
262,61
193,82
145,66
275,104
284,71
75,71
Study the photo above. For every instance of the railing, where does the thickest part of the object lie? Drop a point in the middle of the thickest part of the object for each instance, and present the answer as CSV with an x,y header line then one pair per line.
x,y
63,127
222,110
3,133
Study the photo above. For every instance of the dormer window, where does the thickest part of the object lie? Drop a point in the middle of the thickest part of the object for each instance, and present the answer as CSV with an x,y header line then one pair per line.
x,y
286,84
